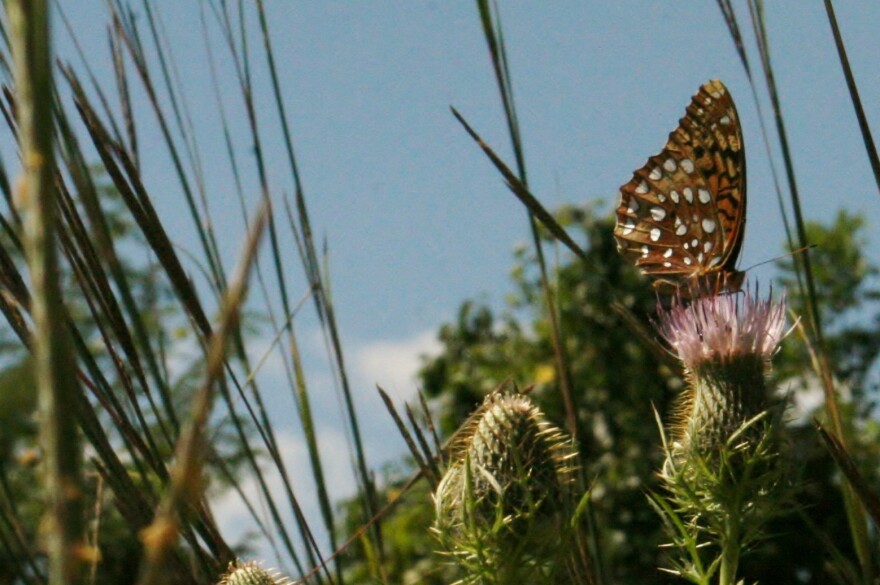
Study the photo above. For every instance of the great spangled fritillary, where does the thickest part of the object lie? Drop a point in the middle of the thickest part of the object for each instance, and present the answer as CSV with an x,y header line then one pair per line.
x,y
682,216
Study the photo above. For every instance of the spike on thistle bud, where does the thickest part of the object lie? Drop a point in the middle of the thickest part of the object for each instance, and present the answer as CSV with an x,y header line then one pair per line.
x,y
251,573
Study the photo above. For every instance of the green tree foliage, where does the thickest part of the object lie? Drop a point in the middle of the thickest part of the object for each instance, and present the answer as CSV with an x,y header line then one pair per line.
x,y
619,376
847,294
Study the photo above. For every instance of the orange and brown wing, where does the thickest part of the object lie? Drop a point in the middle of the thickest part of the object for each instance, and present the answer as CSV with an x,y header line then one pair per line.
x,y
682,215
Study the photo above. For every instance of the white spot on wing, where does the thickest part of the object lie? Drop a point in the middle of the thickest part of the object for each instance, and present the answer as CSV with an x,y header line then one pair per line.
x,y
688,194
687,261
628,227
655,174
633,205
708,225
725,120
667,253
655,234
658,213
645,251
704,196
670,165
642,188
667,264
661,197
681,230
687,165
674,196
707,246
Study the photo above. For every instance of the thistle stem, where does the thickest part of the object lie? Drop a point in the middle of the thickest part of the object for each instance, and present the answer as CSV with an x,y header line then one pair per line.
x,y
730,551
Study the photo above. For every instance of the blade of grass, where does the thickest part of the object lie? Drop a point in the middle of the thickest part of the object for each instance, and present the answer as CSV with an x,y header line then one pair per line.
x,y
126,178
495,41
870,147
103,242
733,27
845,463
242,70
522,192
323,302
185,489
435,475
426,412
407,437
855,513
126,28
54,363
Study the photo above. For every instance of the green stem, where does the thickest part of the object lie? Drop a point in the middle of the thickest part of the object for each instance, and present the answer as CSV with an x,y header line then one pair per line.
x,y
730,551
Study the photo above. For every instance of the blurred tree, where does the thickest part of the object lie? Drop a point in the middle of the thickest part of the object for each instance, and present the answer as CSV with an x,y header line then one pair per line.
x,y
847,294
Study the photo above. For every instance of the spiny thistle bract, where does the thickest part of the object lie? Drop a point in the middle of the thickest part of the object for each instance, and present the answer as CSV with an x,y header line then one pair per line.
x,y
252,573
724,475
504,506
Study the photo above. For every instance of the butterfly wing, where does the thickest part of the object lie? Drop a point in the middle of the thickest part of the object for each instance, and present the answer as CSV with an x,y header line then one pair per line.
x,y
682,215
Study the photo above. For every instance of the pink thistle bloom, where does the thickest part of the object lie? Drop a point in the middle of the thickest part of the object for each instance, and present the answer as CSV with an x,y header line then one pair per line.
x,y
721,327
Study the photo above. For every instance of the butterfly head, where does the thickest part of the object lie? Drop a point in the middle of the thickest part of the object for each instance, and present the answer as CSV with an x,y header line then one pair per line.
x,y
709,284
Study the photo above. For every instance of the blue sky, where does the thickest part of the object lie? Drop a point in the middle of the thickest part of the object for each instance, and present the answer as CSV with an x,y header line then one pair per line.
x,y
415,218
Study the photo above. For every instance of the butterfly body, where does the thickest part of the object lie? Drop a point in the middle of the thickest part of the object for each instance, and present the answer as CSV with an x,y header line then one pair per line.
x,y
681,217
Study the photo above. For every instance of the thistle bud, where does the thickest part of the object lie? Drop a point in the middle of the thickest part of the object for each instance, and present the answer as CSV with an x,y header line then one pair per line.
x,y
505,501
724,475
725,343
251,573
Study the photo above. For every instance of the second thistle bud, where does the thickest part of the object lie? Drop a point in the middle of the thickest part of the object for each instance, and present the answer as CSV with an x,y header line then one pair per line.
x,y
506,494
251,573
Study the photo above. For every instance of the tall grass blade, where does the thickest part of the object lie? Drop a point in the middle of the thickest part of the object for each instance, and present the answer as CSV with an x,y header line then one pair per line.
x,y
495,40
185,489
846,465
54,363
727,11
855,513
407,437
522,192
870,147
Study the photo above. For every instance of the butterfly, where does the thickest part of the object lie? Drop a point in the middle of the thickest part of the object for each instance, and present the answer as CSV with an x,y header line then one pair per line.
x,y
682,216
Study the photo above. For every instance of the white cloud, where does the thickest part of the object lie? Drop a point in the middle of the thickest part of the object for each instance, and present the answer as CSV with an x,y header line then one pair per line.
x,y
393,364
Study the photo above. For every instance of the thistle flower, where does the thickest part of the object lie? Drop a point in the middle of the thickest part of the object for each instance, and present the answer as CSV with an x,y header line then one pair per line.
x,y
504,505
724,476
252,573
725,343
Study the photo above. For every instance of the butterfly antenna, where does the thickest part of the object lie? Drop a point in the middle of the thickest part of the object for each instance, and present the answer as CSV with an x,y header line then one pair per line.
x,y
780,257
